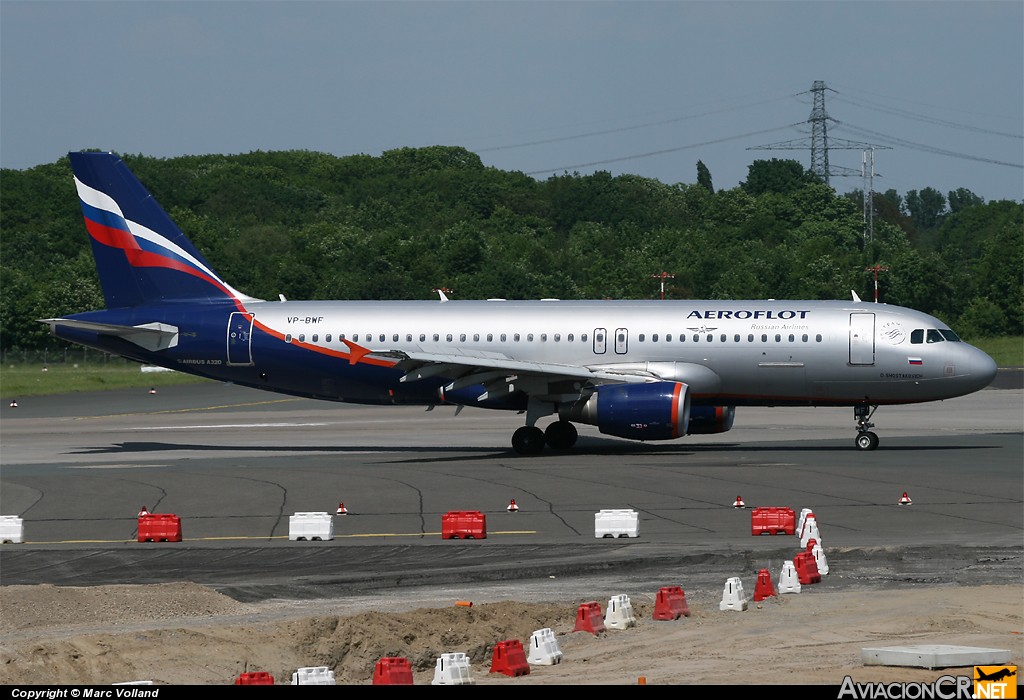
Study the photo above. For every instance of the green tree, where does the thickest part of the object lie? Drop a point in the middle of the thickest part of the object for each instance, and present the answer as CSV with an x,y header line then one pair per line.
x,y
704,177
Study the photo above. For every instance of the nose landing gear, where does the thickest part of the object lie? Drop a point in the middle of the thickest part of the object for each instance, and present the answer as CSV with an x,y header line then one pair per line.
x,y
865,440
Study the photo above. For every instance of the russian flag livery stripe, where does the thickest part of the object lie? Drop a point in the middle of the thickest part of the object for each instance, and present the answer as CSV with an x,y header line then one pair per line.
x,y
915,360
141,254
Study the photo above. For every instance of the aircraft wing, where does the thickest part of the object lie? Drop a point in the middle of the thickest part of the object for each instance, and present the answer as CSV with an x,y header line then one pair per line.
x,y
469,367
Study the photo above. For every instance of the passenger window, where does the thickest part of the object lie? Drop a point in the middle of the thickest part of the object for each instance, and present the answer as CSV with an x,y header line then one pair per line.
x,y
341,336
668,337
462,338
804,338
558,337
723,337
792,337
394,338
436,337
529,337
543,337
476,337
696,338
736,338
583,338
569,337
504,337
934,336
448,337
764,337
750,338
288,338
710,337
302,337
408,337
641,337
817,338
490,337
516,337
778,338
381,337
423,337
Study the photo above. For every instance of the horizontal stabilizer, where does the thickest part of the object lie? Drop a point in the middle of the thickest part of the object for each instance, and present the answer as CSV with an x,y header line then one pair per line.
x,y
151,336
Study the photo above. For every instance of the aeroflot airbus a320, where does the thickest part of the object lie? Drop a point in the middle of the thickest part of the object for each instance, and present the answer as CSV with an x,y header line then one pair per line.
x,y
641,370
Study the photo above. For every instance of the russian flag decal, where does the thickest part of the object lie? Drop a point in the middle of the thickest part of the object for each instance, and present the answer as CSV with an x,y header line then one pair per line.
x,y
915,360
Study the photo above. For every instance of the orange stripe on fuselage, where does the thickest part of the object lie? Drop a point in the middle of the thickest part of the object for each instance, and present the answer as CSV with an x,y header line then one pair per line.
x,y
325,351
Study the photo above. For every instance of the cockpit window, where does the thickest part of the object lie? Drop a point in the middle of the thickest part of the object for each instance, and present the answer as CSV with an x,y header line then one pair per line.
x,y
917,336
949,335
934,336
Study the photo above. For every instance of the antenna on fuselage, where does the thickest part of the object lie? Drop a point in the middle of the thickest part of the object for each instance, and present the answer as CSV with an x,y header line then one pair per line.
x,y
441,293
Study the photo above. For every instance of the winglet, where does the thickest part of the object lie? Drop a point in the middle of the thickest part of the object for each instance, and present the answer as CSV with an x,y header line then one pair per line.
x,y
356,352
855,297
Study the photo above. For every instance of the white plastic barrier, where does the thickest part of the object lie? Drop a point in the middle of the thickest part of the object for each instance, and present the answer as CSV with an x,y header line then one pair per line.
x,y
544,649
804,514
619,615
732,595
819,559
452,669
789,581
313,675
311,526
810,532
616,523
12,529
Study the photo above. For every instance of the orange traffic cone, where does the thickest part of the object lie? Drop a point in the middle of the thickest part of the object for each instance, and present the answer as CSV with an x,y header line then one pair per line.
x,y
342,510
905,499
738,503
512,507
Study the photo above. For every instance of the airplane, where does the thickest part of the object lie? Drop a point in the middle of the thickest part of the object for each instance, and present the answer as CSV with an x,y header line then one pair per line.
x,y
640,370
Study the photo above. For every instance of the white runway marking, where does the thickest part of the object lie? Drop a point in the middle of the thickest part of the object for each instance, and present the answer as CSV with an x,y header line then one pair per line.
x,y
230,425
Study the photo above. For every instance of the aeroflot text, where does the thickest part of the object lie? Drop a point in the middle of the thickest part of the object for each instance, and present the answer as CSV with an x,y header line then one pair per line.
x,y
57,693
759,313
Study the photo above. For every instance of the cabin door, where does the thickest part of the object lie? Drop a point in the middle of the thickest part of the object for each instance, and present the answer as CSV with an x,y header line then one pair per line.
x,y
240,338
862,339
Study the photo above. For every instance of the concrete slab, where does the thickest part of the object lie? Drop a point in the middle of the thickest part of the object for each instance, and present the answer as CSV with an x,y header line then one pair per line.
x,y
932,656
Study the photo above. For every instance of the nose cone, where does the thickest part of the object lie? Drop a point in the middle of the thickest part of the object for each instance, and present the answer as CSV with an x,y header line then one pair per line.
x,y
981,369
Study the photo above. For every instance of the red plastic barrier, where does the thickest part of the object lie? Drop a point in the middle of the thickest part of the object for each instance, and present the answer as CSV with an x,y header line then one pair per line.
x,y
806,568
160,528
467,524
510,659
772,520
589,618
671,604
254,678
764,588
392,670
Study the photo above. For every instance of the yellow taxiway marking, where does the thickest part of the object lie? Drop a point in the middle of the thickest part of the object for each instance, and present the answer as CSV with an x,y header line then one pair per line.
x,y
285,537
188,410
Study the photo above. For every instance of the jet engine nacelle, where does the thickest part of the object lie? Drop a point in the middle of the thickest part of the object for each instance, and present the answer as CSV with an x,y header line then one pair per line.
x,y
708,420
654,411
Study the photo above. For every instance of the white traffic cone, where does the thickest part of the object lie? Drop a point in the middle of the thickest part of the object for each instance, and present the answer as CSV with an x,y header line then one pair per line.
x,y
14,403
905,499
512,507
342,510
738,503
152,389
143,512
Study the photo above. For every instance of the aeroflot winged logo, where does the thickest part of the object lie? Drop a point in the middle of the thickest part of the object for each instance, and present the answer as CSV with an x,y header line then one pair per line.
x,y
772,314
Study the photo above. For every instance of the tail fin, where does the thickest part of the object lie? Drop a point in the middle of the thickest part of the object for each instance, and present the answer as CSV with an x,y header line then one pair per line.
x,y
142,257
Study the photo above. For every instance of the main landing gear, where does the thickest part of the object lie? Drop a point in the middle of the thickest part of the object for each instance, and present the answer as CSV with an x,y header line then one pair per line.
x,y
529,440
865,440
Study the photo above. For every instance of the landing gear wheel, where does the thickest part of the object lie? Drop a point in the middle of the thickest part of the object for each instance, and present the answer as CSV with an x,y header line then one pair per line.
x,y
561,435
867,441
528,440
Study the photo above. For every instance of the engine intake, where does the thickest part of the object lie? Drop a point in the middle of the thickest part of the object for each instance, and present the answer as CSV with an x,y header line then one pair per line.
x,y
655,411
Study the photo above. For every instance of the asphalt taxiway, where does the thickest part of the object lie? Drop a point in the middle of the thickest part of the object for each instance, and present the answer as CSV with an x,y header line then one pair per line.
x,y
235,464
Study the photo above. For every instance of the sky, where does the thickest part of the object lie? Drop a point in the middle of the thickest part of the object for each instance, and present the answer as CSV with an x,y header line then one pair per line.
x,y
931,91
